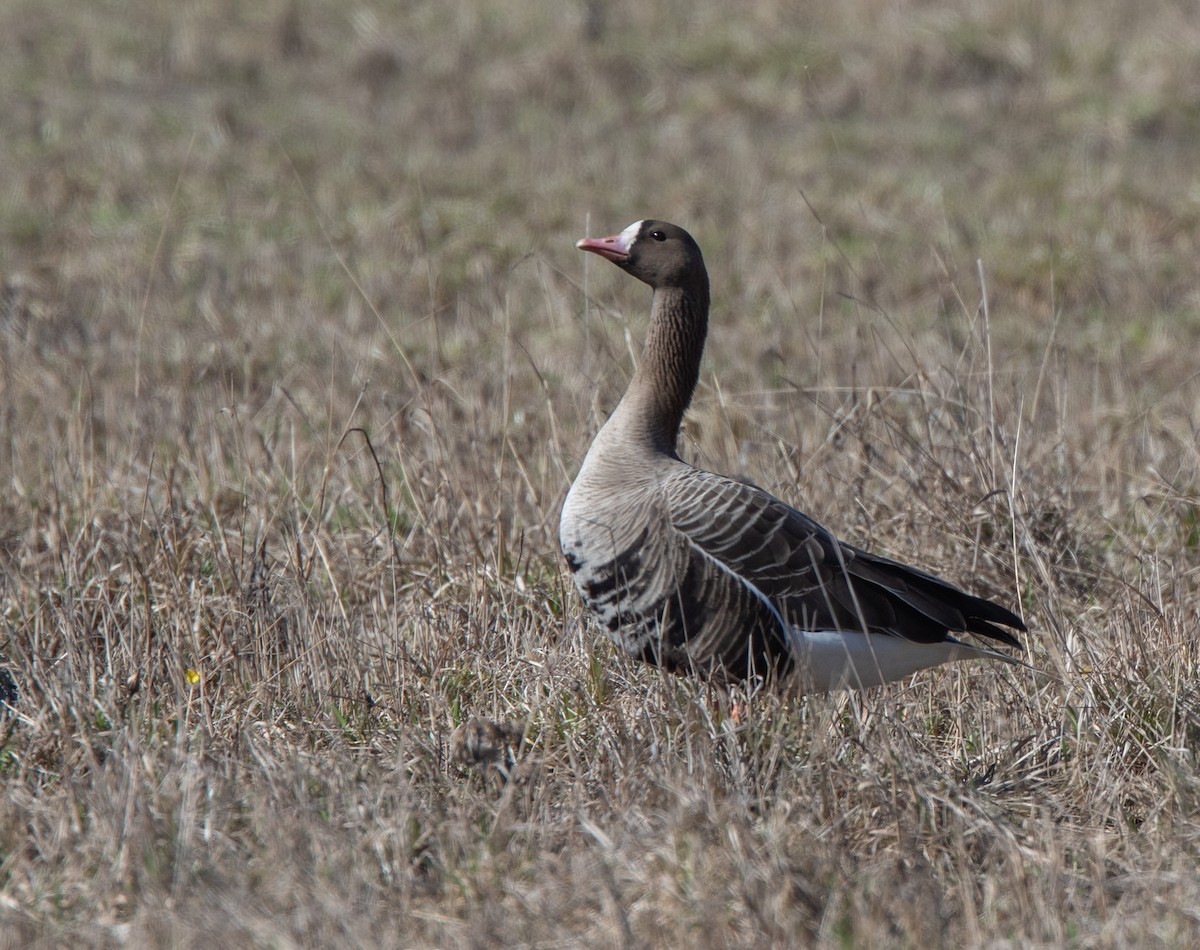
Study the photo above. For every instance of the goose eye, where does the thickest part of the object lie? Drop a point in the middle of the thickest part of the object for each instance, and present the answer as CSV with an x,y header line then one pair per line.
x,y
658,235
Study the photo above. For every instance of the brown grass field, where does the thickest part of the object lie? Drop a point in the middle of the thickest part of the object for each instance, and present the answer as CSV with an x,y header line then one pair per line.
x,y
297,361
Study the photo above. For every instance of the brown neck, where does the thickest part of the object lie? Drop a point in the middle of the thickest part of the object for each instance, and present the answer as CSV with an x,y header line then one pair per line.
x,y
666,377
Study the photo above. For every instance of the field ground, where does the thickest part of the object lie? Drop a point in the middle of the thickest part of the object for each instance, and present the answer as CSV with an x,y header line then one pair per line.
x,y
297,361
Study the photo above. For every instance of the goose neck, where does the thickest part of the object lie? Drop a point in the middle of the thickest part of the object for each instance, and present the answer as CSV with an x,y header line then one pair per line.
x,y
666,377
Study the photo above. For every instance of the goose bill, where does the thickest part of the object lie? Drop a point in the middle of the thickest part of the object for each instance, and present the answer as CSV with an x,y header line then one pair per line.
x,y
615,248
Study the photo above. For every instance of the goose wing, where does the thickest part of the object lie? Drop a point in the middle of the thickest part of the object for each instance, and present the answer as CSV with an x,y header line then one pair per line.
x,y
773,560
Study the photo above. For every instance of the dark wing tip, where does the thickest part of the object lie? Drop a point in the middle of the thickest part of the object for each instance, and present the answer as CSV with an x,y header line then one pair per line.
x,y
991,631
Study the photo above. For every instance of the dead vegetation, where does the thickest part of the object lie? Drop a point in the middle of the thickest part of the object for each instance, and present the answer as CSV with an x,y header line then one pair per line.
x,y
297,361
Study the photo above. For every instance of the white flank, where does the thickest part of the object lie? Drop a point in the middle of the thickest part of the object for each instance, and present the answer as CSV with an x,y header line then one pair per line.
x,y
835,659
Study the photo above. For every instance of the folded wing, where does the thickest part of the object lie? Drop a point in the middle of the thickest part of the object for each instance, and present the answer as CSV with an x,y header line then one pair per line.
x,y
755,567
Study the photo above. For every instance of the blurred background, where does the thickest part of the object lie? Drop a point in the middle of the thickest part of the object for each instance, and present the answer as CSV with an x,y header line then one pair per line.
x,y
217,195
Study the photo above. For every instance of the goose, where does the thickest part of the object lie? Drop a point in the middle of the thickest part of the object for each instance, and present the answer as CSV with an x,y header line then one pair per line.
x,y
703,574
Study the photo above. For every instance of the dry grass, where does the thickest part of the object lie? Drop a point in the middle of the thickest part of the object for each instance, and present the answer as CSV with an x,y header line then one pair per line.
x,y
298,361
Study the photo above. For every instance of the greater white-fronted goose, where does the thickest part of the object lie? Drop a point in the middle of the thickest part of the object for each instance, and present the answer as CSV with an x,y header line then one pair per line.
x,y
698,572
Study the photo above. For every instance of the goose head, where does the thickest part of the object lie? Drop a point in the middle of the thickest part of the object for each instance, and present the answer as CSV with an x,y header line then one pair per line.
x,y
660,254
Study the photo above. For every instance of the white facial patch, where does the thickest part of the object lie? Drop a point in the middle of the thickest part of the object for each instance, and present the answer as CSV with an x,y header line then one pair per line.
x,y
626,238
